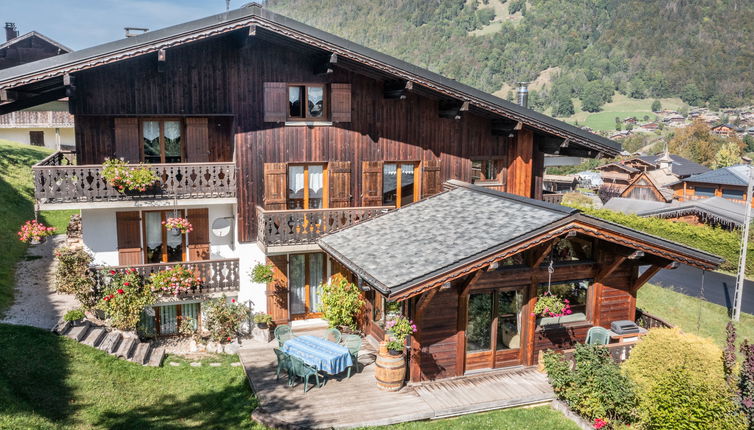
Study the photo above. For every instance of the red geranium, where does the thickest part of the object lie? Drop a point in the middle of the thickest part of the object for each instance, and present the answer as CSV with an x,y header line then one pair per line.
x,y
120,291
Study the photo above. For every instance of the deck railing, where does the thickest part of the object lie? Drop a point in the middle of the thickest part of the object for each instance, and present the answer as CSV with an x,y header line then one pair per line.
x,y
305,226
58,180
553,198
648,321
36,119
217,275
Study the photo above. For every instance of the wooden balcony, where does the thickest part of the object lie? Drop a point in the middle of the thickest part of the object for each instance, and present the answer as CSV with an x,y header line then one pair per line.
x,y
59,181
304,226
218,276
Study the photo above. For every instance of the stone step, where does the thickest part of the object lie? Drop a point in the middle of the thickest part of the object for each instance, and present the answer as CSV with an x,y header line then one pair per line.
x,y
61,327
111,342
126,349
156,356
95,336
141,353
78,332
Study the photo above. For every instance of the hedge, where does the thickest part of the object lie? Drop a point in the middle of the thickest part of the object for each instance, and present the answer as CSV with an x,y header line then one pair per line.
x,y
717,241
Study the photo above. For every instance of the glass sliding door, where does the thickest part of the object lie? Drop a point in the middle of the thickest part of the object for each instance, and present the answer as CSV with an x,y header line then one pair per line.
x,y
494,328
297,282
306,272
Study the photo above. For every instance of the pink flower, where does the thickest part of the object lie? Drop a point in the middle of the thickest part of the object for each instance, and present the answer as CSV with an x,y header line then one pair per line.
x,y
120,291
566,301
232,301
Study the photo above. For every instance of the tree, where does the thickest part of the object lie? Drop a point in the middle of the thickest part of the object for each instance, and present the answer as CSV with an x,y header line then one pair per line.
x,y
728,155
696,143
749,142
692,95
656,106
564,106
619,126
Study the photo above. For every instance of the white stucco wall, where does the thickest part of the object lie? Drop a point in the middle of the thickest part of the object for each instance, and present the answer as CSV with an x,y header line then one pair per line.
x,y
21,135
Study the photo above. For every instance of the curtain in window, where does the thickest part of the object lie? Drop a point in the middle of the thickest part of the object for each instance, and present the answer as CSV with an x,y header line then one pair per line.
x,y
316,177
172,141
154,236
168,321
296,187
151,134
316,276
297,281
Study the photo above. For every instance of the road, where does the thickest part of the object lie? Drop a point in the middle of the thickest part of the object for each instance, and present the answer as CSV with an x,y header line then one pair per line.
x,y
718,288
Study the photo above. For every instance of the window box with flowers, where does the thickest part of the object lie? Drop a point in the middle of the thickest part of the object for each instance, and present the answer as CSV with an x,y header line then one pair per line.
x,y
175,281
34,232
128,179
561,303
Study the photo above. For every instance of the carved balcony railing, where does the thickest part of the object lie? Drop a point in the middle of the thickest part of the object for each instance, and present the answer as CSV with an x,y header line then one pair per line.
x,y
58,180
305,226
648,321
556,198
217,275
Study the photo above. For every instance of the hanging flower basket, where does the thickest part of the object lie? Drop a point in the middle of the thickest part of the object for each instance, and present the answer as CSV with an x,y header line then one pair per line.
x,y
181,224
34,232
550,305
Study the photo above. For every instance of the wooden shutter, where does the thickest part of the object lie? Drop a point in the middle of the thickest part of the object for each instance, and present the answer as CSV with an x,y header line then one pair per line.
x,y
339,176
127,139
275,101
277,290
275,186
129,238
371,183
340,102
197,140
198,240
431,178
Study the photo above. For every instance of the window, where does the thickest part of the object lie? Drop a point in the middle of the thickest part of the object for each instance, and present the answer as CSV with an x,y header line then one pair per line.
x,y
576,292
734,194
484,170
162,245
305,274
399,184
306,186
162,141
166,320
306,102
704,191
494,320
37,138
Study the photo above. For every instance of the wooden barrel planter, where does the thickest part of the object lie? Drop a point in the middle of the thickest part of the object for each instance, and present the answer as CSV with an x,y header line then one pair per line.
x,y
390,371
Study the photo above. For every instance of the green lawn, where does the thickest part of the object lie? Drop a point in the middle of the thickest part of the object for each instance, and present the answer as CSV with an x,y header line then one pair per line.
x,y
51,382
536,418
622,107
691,314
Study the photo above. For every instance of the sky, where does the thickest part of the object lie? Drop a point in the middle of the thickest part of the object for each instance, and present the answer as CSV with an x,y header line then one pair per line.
x,y
80,24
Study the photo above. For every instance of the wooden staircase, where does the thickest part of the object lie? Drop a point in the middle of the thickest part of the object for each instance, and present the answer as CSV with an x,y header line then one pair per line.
x,y
114,342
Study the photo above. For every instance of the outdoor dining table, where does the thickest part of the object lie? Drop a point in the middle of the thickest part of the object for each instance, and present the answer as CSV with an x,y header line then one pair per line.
x,y
319,353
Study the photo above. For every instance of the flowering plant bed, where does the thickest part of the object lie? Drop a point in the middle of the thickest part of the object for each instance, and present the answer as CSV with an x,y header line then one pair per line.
x,y
123,177
181,224
124,299
399,328
550,305
174,281
223,318
34,231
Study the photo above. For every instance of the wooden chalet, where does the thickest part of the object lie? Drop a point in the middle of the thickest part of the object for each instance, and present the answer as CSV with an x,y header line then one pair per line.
x,y
728,182
643,187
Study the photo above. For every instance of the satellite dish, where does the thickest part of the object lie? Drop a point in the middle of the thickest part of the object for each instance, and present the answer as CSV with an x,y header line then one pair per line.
x,y
221,227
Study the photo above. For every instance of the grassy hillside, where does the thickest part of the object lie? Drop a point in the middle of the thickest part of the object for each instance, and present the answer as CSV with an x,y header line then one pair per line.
x,y
626,46
17,206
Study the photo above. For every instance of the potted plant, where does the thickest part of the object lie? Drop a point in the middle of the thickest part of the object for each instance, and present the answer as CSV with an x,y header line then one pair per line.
x,y
128,179
262,273
75,317
262,320
174,281
342,302
399,329
550,305
181,224
34,232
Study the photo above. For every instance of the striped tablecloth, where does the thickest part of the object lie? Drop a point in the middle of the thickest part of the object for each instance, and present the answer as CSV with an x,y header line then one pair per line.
x,y
319,353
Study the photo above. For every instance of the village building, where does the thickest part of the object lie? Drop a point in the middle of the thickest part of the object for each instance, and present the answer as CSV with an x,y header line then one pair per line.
x,y
728,182
285,145
560,183
724,130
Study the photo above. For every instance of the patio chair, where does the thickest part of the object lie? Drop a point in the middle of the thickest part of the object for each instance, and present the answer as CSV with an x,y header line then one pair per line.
x,y
597,336
284,363
283,333
332,334
353,343
301,370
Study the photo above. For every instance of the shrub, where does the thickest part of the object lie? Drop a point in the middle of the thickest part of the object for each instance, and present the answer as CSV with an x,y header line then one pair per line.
x,y
262,318
74,315
746,384
399,328
681,383
123,177
262,273
595,388
34,230
125,298
341,302
174,281
72,276
223,319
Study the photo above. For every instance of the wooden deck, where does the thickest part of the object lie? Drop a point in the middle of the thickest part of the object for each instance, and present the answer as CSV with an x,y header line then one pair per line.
x,y
356,402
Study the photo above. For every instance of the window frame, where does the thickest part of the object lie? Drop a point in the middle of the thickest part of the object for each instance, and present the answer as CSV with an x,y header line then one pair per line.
x,y
588,308
164,252
496,162
325,185
306,117
399,179
161,121
705,193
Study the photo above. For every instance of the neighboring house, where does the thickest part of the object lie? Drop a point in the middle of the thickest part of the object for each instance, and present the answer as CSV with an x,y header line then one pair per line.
x,y
680,167
560,183
644,187
714,211
49,125
617,175
650,126
723,130
727,182
270,136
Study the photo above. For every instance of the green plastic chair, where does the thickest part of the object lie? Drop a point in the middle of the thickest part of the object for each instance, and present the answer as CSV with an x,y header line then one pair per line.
x,y
284,362
597,336
332,334
283,333
299,369
353,343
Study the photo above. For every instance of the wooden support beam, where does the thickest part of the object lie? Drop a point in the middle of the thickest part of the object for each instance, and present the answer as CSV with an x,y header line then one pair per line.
x,y
540,253
502,127
646,276
252,30
423,302
70,86
49,96
470,282
608,269
453,109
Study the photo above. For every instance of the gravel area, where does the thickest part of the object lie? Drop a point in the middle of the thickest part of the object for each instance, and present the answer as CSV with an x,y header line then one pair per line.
x,y
35,301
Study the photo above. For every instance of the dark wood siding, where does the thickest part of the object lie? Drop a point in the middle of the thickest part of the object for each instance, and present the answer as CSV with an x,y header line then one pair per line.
x,y
198,240
437,336
128,226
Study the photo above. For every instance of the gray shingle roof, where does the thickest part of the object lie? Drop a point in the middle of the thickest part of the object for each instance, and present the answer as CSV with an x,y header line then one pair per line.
x,y
718,209
436,233
733,175
632,206
680,166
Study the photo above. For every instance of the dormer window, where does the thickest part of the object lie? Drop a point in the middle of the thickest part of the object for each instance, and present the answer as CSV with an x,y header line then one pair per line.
x,y
306,102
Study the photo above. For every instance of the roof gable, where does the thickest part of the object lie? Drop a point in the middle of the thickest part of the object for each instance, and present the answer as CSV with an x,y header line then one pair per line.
x,y
40,36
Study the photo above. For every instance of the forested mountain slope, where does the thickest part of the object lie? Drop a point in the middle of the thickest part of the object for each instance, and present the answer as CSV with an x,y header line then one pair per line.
x,y
699,50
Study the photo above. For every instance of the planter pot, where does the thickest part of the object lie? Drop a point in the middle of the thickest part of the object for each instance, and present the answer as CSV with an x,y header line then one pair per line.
x,y
150,190
263,326
390,371
259,334
394,352
38,242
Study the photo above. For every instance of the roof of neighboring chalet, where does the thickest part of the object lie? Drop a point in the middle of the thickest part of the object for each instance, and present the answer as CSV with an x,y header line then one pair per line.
x,y
618,165
32,34
51,70
430,242
559,178
717,209
632,206
733,175
680,166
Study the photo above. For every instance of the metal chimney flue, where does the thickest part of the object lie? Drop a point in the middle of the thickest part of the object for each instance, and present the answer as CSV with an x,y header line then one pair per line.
x,y
10,31
523,94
